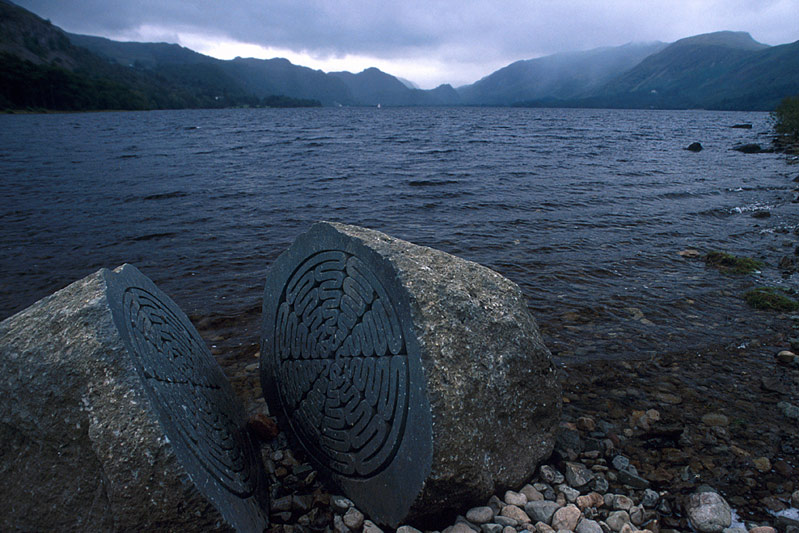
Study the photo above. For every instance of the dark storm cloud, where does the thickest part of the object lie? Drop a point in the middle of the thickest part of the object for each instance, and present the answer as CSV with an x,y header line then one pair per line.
x,y
448,35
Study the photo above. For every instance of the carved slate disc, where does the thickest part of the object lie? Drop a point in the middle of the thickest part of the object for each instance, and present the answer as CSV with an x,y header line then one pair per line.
x,y
194,402
340,366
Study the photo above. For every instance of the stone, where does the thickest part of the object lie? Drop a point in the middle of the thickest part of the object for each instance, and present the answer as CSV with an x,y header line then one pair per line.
x,y
650,499
338,524
632,479
763,529
788,410
617,519
586,423
715,419
749,148
340,504
459,527
569,493
786,357
550,475
506,521
491,528
694,147
541,511
566,518
708,512
353,518
795,499
592,499
637,515
763,464
541,527
578,475
126,421
531,493
620,462
508,529
480,515
396,366
588,526
627,528
515,498
411,529
621,502
516,513
371,527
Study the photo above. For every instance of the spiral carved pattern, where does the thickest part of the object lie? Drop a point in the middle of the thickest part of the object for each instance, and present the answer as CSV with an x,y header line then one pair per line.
x,y
341,364
184,381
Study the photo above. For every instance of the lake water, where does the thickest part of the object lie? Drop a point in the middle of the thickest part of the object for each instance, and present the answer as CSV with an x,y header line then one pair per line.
x,y
585,209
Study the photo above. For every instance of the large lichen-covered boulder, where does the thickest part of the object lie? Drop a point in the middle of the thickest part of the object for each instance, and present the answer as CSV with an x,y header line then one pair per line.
x,y
115,417
417,381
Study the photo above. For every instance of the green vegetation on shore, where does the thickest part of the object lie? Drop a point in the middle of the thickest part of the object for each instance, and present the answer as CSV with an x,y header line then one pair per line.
x,y
787,117
730,264
771,299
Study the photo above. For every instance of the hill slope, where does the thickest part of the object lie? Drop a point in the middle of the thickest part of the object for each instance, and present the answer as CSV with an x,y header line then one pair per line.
x,y
566,75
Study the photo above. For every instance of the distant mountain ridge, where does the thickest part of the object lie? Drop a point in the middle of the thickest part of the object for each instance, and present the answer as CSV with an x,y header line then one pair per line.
x,y
721,70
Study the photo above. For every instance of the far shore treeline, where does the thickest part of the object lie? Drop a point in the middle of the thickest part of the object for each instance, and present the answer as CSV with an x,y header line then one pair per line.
x,y
44,68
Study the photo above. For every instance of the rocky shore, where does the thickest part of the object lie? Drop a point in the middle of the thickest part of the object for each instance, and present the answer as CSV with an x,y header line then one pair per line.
x,y
644,445
704,440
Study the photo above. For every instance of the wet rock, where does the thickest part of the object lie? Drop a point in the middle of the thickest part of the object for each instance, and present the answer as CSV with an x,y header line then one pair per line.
x,y
637,515
111,430
541,511
480,515
407,529
620,462
694,147
749,148
412,313
338,524
786,357
715,420
789,410
491,528
708,512
650,499
566,518
762,464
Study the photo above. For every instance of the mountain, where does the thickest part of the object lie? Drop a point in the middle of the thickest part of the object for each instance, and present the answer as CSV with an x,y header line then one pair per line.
x,y
722,70
564,76
42,67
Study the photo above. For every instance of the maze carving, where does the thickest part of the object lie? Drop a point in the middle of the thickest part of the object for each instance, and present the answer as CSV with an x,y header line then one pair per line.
x,y
185,383
341,364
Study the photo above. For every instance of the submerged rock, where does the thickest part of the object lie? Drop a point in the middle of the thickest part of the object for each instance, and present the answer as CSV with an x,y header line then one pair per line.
x,y
694,147
708,512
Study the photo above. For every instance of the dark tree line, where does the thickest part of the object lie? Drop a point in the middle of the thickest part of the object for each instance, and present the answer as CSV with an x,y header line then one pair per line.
x,y
28,86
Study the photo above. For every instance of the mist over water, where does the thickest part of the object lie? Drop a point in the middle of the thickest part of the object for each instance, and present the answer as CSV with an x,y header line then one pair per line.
x,y
585,209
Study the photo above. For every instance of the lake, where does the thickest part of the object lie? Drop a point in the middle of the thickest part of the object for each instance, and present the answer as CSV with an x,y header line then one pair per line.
x,y
585,209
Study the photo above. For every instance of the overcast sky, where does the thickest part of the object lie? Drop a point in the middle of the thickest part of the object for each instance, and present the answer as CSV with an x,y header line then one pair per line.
x,y
426,41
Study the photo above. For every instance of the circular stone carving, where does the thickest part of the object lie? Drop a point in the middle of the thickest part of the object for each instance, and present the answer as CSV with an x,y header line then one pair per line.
x,y
341,363
186,385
